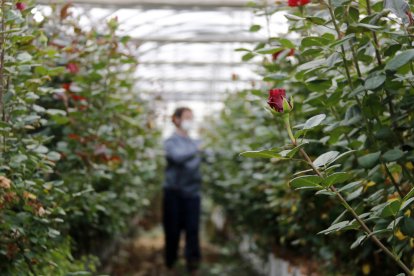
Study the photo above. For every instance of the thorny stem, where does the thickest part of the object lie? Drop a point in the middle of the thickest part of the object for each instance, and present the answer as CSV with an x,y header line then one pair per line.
x,y
343,201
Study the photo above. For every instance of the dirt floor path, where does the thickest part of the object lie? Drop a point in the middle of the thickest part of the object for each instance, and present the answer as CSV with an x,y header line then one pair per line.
x,y
143,256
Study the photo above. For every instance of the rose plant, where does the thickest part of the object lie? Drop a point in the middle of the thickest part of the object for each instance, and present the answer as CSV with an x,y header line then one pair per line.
x,y
351,84
78,145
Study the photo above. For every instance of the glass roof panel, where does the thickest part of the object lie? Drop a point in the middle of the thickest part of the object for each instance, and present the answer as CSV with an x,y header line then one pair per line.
x,y
185,47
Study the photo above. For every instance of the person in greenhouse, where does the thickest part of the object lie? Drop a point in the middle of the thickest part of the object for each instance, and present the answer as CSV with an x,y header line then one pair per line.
x,y
182,199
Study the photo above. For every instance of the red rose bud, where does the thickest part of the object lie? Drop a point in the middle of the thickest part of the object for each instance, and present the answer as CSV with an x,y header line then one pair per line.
x,y
277,100
276,97
20,6
73,68
303,2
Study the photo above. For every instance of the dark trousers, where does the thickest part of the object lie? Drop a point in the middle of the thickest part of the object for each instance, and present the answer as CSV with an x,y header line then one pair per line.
x,y
180,214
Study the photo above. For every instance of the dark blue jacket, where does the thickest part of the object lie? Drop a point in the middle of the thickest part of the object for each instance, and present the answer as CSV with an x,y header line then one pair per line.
x,y
183,165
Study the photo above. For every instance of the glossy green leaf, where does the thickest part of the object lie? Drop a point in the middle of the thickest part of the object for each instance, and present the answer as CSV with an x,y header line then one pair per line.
x,y
306,182
325,158
393,155
255,28
335,227
374,82
370,160
391,208
261,154
314,121
400,60
406,203
335,178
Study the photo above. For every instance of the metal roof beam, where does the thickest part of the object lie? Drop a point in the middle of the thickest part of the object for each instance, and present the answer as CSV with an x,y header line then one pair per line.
x,y
157,4
196,63
199,39
187,96
163,80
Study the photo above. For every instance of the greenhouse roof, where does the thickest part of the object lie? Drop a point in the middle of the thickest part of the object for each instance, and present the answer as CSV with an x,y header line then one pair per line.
x,y
186,48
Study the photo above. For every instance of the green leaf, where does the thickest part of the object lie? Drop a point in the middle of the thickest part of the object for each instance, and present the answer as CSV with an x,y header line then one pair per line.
x,y
409,195
306,182
406,203
375,82
248,56
286,43
261,154
314,121
316,20
370,160
343,155
275,77
350,186
293,17
271,50
290,153
335,227
314,64
400,60
325,158
335,178
255,28
358,241
311,41
393,155
56,112
391,208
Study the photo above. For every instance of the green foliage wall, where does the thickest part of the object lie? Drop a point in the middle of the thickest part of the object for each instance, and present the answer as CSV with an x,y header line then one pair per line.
x,y
79,150
349,78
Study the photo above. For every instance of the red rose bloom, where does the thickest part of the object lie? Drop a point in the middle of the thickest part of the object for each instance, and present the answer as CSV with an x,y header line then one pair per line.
x,y
73,68
292,3
276,97
20,6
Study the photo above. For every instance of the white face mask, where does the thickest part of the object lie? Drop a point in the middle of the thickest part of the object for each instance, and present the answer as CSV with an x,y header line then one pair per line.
x,y
187,125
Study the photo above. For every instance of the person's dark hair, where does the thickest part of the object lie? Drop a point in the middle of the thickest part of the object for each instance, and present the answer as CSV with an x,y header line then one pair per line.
x,y
179,112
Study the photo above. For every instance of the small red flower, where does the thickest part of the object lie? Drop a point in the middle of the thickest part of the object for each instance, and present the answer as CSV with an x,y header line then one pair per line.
x,y
297,3
73,136
66,86
115,158
77,98
73,68
276,97
20,6
277,54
